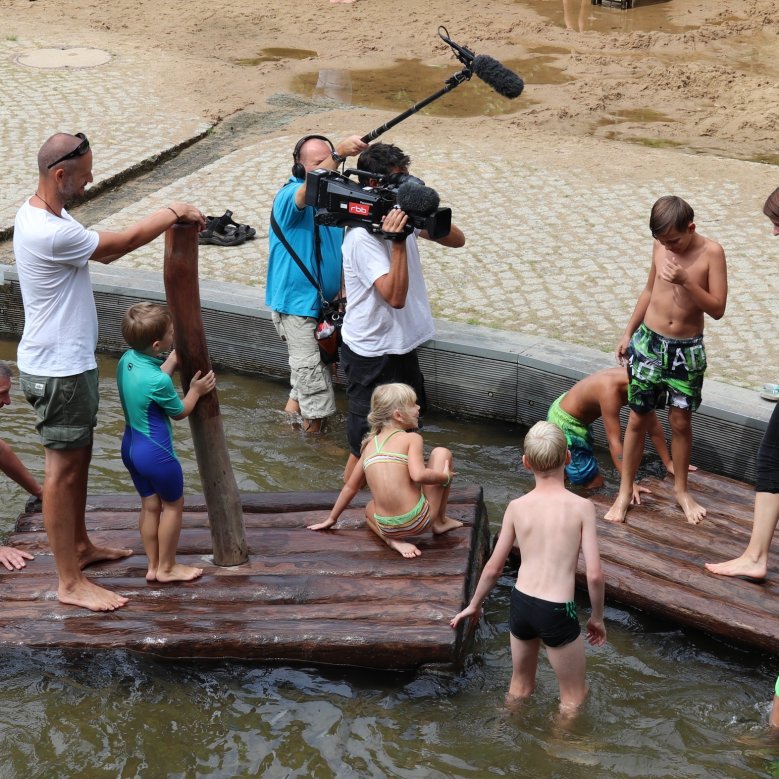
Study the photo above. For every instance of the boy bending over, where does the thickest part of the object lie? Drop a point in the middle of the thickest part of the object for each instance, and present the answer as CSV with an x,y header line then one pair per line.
x,y
663,344
148,400
550,525
601,394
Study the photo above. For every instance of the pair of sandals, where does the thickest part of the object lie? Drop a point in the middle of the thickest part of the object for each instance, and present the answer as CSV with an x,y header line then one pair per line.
x,y
224,231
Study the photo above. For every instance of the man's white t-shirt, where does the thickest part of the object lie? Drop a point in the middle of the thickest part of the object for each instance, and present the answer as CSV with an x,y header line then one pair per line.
x,y
372,327
60,318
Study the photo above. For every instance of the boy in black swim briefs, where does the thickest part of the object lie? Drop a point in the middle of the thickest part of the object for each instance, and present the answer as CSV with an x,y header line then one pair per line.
x,y
663,344
550,525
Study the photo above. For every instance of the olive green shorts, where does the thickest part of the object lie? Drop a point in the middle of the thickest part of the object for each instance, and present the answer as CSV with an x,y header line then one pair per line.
x,y
66,407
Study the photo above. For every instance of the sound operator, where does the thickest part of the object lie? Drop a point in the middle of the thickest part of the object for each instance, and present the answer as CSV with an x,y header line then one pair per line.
x,y
293,294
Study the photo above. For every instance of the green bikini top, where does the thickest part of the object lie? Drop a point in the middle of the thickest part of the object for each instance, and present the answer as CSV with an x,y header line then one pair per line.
x,y
381,456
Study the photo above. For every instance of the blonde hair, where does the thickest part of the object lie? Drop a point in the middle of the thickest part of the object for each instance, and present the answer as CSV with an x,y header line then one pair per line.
x,y
545,447
145,323
386,399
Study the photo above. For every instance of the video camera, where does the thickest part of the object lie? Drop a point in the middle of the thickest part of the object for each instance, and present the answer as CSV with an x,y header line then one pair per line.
x,y
339,201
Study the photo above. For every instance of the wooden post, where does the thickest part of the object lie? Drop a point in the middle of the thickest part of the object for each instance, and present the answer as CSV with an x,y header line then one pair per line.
x,y
223,501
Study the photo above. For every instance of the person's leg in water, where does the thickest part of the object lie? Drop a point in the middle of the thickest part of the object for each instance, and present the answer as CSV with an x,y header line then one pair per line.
x,y
680,420
437,495
773,719
402,547
569,664
168,537
524,663
632,452
311,395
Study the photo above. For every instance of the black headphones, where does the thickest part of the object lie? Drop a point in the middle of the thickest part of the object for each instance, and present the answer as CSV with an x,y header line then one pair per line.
x,y
298,171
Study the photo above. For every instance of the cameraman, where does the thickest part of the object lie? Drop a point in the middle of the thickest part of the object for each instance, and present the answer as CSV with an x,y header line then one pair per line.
x,y
388,314
291,296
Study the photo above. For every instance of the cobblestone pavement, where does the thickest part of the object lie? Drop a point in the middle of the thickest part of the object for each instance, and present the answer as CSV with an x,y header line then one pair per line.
x,y
555,246
552,249
115,104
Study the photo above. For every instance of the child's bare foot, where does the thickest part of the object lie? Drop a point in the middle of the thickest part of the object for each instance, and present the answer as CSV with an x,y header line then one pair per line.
x,y
96,554
406,549
692,510
179,573
446,525
151,574
740,566
619,509
89,596
322,525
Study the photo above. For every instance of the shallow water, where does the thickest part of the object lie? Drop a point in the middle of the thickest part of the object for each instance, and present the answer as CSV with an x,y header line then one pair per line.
x,y
665,702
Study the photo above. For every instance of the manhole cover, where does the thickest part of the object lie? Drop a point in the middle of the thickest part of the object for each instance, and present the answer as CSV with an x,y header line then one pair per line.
x,y
75,57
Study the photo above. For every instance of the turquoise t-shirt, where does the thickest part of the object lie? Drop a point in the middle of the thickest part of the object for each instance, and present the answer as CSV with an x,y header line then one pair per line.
x,y
148,397
287,290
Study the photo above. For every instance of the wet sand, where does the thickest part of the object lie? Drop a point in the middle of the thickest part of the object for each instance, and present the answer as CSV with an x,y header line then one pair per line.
x,y
701,74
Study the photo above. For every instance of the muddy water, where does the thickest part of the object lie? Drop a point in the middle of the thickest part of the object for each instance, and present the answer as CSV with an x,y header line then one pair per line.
x,y
665,702
671,16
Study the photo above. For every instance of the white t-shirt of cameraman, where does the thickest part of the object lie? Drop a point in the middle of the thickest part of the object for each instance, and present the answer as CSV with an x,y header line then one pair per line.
x,y
372,327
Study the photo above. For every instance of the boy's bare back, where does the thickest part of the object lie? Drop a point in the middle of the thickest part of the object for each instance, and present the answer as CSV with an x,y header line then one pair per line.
x,y
601,394
551,524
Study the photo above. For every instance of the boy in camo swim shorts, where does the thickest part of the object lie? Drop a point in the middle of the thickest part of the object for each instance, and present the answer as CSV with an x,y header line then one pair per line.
x,y
661,369
663,344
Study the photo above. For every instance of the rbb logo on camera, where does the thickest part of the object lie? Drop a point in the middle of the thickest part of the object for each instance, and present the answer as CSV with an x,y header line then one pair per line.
x,y
359,209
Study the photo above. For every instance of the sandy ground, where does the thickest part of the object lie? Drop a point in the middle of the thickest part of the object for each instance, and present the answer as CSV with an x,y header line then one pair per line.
x,y
701,74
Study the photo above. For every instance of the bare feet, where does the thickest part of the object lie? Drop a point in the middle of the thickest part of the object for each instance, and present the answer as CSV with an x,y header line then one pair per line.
x,y
692,510
404,548
322,525
446,525
96,554
619,509
179,573
151,574
740,566
89,596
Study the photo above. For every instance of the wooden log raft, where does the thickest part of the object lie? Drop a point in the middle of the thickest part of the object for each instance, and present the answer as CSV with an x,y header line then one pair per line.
x,y
655,561
339,597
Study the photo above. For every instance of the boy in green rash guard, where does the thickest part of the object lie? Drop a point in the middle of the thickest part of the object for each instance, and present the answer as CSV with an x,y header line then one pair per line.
x,y
601,394
149,400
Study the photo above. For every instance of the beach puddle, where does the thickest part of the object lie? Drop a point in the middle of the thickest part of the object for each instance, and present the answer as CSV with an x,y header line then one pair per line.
x,y
634,115
410,81
645,16
277,55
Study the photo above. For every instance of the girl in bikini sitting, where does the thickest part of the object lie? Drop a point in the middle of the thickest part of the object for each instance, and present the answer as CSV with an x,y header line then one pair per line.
x,y
409,496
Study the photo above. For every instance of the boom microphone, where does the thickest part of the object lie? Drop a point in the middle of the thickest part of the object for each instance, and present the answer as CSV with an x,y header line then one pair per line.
x,y
415,199
504,81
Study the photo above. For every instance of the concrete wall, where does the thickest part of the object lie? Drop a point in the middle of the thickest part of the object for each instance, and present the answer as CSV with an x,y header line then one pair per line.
x,y
473,372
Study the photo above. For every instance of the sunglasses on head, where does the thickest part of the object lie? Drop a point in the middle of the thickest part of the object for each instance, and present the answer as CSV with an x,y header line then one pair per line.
x,y
79,151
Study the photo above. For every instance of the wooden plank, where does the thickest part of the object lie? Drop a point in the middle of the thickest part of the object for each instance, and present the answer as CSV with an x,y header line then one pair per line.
x,y
655,561
336,597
